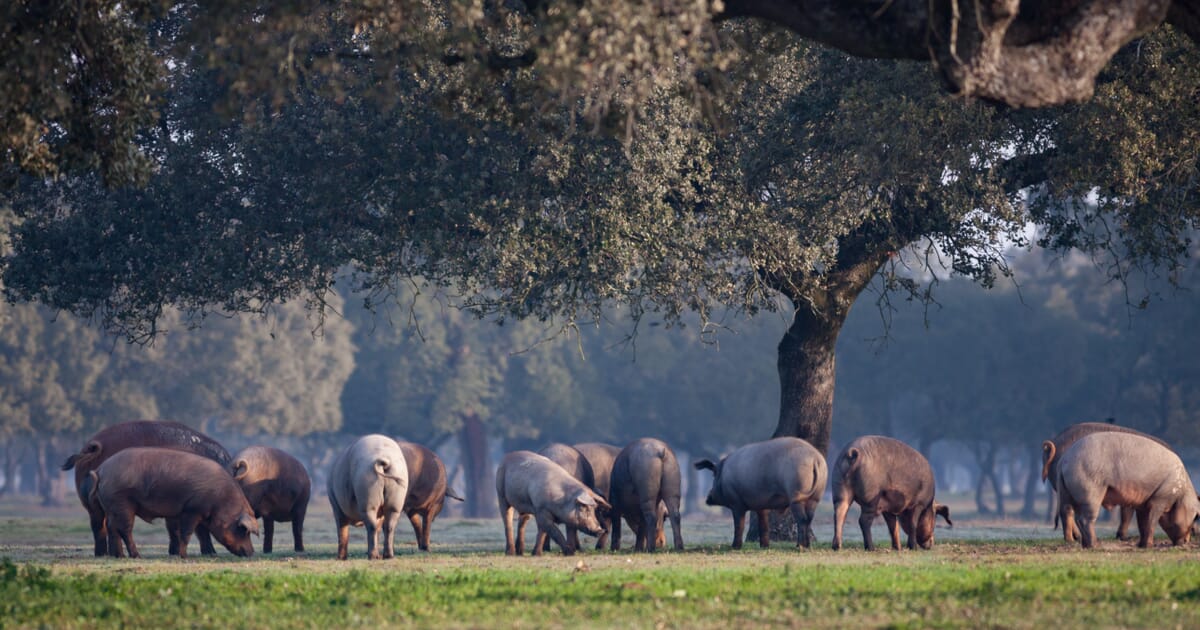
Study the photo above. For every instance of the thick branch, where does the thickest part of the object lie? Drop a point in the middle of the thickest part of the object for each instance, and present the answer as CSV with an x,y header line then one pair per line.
x,y
1024,54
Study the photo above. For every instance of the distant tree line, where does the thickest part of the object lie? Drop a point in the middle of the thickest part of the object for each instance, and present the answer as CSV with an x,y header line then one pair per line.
x,y
986,375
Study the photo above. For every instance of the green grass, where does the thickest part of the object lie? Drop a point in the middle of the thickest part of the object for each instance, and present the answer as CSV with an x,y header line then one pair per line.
x,y
973,578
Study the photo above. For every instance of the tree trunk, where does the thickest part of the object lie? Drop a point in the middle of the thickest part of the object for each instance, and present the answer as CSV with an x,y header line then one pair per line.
x,y
806,365
43,482
10,468
692,503
1033,478
481,491
986,456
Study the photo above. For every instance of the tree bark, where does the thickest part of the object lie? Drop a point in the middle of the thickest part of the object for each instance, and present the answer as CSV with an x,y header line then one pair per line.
x,y
481,491
692,502
1024,54
1032,479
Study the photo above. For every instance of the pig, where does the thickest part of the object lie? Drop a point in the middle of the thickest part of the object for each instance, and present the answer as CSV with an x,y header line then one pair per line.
x,y
277,487
1053,448
368,485
113,439
528,483
1109,469
577,465
886,475
784,472
427,489
645,474
190,490
600,457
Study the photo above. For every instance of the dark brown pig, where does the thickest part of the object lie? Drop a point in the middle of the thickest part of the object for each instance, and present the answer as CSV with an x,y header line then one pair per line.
x,y
578,466
600,457
780,473
1053,449
886,476
528,483
427,489
113,439
645,475
1110,469
277,487
189,489
368,484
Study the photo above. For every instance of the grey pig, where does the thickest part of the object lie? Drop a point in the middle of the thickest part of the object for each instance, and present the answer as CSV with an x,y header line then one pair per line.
x,y
528,483
887,476
1110,469
277,487
645,474
784,472
1052,451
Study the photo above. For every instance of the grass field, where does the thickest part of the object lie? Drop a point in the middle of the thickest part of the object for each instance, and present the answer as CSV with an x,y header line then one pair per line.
x,y
980,574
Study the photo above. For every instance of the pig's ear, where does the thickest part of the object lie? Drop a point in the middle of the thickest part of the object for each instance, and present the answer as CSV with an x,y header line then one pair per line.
x,y
600,501
585,498
249,522
944,512
240,468
852,454
704,464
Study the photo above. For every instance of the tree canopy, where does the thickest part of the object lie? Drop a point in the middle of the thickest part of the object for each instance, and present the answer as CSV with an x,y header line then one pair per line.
x,y
803,181
84,83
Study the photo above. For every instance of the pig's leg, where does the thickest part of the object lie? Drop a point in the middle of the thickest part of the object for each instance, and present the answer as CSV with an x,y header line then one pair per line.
x,y
639,533
187,524
541,542
522,521
206,545
650,527
506,513
389,534
371,522
803,517
909,524
99,532
1148,516
114,541
1085,519
546,527
343,530
120,530
573,538
268,534
893,526
1070,528
298,513
1126,517
739,527
840,508
427,524
865,519
764,529
676,523
414,518
172,537
615,530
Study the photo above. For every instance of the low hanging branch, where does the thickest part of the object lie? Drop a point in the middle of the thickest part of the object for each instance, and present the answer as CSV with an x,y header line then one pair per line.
x,y
1029,54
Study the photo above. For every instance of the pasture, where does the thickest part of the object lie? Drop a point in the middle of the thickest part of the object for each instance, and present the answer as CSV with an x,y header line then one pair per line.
x,y
981,573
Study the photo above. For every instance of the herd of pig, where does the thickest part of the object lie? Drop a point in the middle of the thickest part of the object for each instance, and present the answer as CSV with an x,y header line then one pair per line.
x,y
167,470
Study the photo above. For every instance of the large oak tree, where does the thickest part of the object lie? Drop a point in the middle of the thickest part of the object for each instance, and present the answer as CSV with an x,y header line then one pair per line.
x,y
811,178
